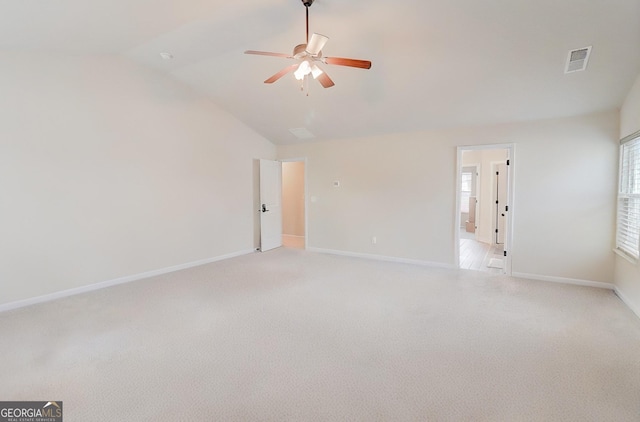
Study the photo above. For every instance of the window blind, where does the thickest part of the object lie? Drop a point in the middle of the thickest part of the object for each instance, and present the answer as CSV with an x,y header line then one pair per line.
x,y
628,222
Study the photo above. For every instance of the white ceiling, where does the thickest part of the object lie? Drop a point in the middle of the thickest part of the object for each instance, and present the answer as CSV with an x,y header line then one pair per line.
x,y
436,63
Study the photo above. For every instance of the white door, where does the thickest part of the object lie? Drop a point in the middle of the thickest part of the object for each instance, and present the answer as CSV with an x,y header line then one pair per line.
x,y
271,204
501,202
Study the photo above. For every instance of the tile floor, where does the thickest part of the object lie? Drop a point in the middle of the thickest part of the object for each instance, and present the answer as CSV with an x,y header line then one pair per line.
x,y
478,256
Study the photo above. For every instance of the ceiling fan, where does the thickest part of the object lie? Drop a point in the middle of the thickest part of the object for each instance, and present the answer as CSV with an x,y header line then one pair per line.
x,y
308,55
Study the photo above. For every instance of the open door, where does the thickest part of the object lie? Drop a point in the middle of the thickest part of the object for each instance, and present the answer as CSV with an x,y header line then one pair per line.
x,y
502,182
271,205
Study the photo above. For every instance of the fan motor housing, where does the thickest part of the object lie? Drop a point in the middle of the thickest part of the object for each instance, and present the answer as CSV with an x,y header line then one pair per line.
x,y
307,3
299,50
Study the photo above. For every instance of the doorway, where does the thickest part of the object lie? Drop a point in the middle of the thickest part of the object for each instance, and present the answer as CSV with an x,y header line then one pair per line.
x,y
468,200
293,204
483,235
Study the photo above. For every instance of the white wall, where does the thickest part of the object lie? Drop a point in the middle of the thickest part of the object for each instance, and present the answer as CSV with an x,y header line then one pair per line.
x,y
401,189
627,274
108,169
293,198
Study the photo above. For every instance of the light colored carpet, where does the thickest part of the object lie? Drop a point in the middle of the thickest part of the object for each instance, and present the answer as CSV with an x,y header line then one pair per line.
x,y
291,335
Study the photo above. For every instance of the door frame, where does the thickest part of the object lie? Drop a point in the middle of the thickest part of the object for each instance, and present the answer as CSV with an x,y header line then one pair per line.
x,y
508,241
306,194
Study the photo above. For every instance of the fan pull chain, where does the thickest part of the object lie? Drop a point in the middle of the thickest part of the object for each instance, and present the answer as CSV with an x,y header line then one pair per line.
x,y
304,83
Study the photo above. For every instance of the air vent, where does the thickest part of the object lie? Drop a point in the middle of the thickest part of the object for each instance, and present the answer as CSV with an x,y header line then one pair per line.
x,y
577,60
302,133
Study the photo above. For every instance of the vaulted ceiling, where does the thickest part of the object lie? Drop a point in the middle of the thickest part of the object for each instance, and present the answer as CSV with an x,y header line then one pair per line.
x,y
436,63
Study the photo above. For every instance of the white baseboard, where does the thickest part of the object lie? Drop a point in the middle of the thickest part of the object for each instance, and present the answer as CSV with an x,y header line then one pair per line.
x,y
625,299
121,280
564,280
382,258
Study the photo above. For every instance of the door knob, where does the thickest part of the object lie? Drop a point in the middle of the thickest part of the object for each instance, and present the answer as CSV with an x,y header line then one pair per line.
x,y
264,208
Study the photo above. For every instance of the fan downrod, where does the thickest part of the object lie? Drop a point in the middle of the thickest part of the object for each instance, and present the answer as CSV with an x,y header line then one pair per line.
x,y
307,4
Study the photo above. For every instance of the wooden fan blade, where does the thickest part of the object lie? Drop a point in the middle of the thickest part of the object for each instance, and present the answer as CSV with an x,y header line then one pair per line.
x,y
266,53
362,64
280,74
325,80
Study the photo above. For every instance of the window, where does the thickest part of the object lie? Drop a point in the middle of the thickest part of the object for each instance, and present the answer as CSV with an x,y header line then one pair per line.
x,y
628,230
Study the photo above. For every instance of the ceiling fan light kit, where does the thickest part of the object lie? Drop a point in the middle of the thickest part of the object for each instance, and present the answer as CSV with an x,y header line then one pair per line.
x,y
308,55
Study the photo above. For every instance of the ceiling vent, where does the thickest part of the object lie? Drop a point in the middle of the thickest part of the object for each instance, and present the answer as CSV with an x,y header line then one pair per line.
x,y
577,60
302,133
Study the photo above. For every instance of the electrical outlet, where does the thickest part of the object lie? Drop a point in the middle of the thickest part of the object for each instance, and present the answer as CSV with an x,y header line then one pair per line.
x,y
374,240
